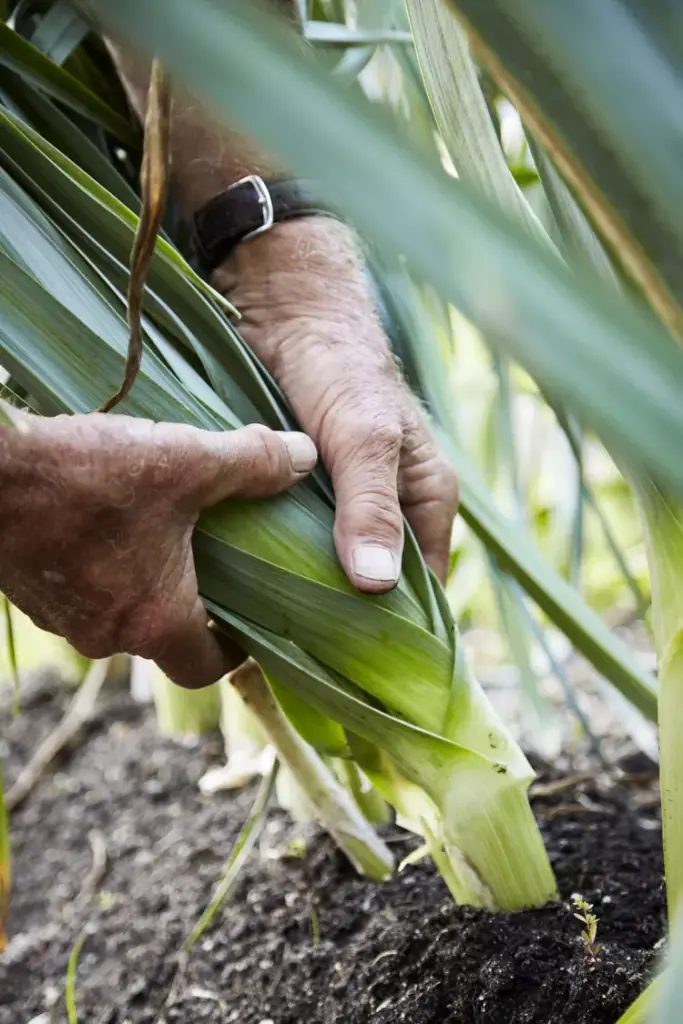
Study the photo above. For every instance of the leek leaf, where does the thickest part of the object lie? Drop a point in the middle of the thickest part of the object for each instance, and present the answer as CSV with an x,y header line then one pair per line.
x,y
601,88
28,61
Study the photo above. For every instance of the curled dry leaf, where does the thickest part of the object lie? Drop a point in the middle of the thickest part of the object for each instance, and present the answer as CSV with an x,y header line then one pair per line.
x,y
154,178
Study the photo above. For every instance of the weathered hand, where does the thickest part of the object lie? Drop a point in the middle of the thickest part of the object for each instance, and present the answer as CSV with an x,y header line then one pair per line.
x,y
96,520
308,314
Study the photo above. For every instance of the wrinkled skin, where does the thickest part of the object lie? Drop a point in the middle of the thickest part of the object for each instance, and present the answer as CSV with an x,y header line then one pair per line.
x,y
96,518
307,311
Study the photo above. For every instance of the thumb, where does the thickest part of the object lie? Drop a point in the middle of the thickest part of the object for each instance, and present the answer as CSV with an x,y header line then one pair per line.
x,y
368,529
251,462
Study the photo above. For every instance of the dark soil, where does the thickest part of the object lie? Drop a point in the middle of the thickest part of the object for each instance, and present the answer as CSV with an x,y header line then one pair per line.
x,y
304,940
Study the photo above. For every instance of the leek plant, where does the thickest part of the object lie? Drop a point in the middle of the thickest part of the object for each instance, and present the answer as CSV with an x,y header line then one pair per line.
x,y
661,511
380,680
663,519
642,255
268,570
603,102
181,711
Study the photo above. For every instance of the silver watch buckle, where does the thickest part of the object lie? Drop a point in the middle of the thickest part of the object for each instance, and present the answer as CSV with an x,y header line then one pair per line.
x,y
265,202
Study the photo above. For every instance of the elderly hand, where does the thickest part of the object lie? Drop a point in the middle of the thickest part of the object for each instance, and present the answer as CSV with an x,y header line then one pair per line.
x,y
97,511
307,312
96,519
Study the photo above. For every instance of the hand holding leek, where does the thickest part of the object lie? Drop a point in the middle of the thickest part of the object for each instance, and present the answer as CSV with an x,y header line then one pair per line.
x,y
308,313
97,514
381,678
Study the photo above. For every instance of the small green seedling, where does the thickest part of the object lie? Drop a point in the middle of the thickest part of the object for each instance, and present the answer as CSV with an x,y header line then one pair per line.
x,y
70,987
589,920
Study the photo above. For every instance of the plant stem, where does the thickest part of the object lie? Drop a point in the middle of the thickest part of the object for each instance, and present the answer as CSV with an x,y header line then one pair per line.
x,y
12,655
70,987
671,773
502,843
663,521
244,844
181,711
334,807
370,802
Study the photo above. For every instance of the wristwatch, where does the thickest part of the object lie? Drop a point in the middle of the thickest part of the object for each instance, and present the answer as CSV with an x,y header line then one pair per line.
x,y
249,208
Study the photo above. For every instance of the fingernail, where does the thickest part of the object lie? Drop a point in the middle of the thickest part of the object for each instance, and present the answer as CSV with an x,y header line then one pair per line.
x,y
375,563
301,450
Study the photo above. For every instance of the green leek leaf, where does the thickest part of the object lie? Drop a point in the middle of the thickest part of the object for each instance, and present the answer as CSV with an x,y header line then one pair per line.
x,y
24,58
602,90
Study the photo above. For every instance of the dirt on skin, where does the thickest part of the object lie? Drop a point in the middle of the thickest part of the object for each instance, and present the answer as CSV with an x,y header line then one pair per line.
x,y
304,940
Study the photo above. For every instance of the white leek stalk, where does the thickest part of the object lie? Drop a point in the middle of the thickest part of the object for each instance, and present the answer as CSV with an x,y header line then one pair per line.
x,y
184,712
330,802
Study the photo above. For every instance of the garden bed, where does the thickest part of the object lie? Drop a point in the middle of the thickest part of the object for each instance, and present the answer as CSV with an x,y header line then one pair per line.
x,y
120,841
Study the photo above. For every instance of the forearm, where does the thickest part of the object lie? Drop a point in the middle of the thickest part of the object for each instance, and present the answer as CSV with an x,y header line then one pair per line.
x,y
269,271
314,259
206,155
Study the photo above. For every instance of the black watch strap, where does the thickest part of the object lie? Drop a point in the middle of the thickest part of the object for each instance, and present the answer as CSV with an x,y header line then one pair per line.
x,y
248,208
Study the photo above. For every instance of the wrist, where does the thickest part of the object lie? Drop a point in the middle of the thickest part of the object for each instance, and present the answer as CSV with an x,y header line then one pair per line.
x,y
309,270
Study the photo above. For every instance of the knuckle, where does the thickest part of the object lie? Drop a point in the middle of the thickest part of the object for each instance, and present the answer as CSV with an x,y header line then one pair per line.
x,y
374,437
146,631
269,460
94,647
257,429
448,485
375,511
387,434
426,475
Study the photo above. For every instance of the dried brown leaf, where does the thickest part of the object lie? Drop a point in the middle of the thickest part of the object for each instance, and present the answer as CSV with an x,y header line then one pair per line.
x,y
154,177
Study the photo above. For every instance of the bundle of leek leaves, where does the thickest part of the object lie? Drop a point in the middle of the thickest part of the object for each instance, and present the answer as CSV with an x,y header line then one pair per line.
x,y
380,680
